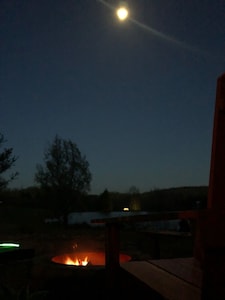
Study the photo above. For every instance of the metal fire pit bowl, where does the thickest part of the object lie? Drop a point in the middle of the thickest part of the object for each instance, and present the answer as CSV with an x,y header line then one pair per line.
x,y
66,280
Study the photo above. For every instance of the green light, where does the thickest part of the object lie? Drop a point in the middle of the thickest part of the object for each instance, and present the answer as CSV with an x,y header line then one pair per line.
x,y
9,245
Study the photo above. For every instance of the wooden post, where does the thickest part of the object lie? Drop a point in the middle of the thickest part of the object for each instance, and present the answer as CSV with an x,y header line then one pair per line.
x,y
210,229
112,252
216,192
216,188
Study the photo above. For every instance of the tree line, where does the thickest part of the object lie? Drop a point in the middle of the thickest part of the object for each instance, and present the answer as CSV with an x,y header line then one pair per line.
x,y
64,180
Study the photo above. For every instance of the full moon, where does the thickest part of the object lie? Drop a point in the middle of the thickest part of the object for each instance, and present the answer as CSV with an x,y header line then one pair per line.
x,y
122,13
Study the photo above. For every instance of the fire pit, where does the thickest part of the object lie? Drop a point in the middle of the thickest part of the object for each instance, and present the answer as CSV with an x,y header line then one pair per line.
x,y
79,272
82,259
83,266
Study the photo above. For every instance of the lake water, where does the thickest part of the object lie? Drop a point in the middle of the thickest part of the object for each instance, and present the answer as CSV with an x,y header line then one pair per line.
x,y
86,217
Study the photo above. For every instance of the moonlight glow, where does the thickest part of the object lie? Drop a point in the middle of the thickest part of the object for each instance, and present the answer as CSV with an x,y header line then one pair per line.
x,y
122,13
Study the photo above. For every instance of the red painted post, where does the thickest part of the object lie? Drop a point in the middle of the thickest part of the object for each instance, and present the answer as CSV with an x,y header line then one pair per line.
x,y
210,230
216,188
216,192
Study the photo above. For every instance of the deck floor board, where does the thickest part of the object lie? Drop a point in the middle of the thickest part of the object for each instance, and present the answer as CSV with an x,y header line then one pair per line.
x,y
174,279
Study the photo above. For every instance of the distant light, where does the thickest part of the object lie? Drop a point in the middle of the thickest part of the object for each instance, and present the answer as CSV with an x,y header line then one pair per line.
x,y
126,209
122,13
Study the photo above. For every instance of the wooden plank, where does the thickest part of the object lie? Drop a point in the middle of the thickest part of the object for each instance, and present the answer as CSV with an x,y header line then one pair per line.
x,y
163,282
187,269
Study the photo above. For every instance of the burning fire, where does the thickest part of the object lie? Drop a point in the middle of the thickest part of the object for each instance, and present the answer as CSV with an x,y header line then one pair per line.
x,y
76,261
81,258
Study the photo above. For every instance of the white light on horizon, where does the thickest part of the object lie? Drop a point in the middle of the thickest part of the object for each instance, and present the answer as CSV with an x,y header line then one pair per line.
x,y
126,209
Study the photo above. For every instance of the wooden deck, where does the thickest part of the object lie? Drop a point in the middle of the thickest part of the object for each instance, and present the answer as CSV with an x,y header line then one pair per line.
x,y
175,279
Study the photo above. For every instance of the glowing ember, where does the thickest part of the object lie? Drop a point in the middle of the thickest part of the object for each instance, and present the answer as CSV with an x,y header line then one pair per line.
x,y
76,261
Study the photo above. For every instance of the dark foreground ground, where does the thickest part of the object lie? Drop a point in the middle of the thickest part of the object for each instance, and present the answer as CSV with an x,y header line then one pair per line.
x,y
48,280
93,284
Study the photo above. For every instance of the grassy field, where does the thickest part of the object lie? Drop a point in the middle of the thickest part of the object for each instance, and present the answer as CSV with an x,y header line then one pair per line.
x,y
28,225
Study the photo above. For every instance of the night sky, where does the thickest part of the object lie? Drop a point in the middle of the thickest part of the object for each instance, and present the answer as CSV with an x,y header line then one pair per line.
x,y
136,97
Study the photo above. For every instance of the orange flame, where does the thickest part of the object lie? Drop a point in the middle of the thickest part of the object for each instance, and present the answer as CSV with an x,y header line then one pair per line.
x,y
76,261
